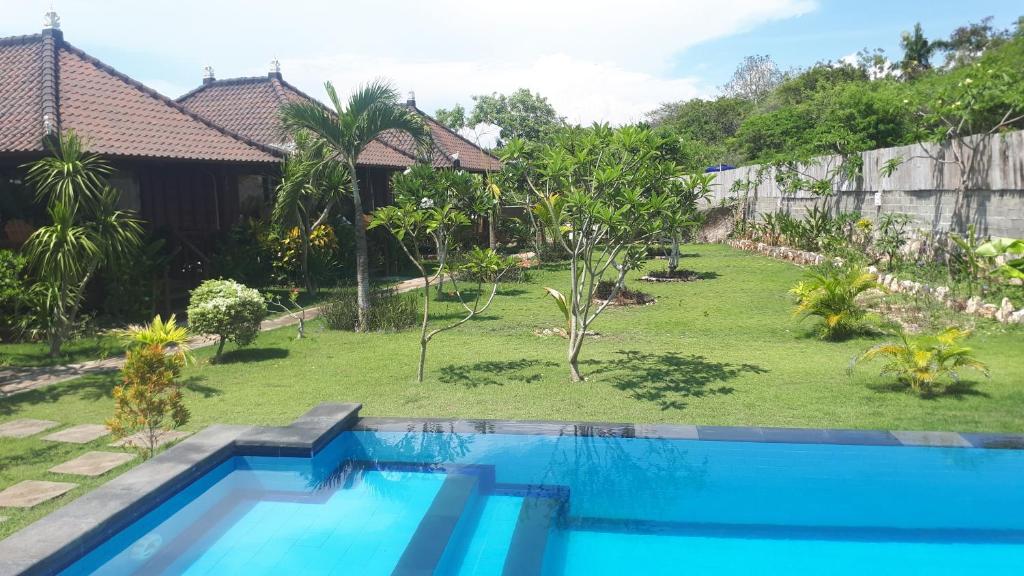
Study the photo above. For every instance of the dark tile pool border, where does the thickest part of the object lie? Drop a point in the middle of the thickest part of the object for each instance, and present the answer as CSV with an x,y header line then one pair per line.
x,y
62,537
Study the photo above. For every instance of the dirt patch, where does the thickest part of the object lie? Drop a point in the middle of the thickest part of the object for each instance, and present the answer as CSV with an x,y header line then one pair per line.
x,y
679,275
625,297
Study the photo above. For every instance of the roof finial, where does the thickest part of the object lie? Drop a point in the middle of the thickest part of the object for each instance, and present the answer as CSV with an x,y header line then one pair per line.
x,y
51,20
275,66
412,99
208,76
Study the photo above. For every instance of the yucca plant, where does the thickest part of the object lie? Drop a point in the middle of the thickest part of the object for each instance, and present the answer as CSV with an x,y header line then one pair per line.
x,y
923,362
830,293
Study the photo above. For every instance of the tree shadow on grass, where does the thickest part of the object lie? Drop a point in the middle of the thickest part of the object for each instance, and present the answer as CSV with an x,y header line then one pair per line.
x,y
90,387
957,390
486,373
669,379
195,384
252,355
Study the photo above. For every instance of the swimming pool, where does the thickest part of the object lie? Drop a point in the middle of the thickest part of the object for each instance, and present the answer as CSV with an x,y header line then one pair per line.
x,y
468,498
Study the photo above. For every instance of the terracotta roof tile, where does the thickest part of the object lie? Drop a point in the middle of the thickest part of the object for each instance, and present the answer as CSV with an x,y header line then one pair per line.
x,y
114,114
250,106
21,123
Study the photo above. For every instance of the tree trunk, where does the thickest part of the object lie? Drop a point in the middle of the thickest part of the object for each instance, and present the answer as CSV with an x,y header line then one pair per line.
x,y
423,328
220,348
492,228
310,289
362,264
575,342
673,259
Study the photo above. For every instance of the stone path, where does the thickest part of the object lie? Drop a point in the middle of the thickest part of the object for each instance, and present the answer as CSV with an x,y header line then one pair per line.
x,y
141,439
81,434
28,493
93,463
25,427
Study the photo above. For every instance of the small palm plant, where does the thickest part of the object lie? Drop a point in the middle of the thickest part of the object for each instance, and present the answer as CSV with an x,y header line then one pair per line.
x,y
830,292
924,361
166,335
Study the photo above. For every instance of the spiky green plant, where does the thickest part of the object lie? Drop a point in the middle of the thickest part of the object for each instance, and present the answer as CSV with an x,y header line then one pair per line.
x,y
830,292
159,333
922,362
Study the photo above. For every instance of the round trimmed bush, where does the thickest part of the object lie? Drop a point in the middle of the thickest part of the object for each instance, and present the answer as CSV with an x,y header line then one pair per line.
x,y
228,310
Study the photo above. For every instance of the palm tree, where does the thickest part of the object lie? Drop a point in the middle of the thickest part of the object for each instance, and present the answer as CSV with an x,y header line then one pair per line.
x,y
370,111
86,232
309,189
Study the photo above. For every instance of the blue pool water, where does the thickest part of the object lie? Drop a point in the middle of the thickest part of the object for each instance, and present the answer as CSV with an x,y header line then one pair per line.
x,y
426,499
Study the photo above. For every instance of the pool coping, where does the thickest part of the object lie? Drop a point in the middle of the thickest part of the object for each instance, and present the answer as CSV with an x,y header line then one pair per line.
x,y
57,540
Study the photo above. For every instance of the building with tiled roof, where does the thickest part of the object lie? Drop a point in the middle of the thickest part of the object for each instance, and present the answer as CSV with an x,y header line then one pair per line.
x,y
184,175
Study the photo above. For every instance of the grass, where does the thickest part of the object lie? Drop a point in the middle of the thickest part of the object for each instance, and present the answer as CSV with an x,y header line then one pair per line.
x,y
723,351
33,354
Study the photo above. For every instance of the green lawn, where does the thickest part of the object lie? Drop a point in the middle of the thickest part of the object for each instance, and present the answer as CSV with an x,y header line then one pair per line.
x,y
31,354
720,351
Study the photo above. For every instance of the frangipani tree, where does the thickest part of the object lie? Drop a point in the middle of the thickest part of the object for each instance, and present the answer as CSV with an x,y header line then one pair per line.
x,y
603,200
688,192
413,224
86,231
346,130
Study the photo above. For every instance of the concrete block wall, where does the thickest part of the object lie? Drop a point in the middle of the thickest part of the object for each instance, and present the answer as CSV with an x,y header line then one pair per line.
x,y
922,187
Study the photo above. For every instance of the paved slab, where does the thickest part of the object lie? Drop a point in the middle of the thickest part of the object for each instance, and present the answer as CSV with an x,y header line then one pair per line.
x,y
947,439
28,493
25,427
93,463
140,439
81,434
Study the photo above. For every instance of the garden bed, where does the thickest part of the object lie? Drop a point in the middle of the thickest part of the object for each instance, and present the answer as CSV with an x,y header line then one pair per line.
x,y
679,275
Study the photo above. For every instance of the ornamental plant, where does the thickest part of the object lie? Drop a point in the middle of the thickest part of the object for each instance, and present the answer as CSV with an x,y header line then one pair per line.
x,y
228,310
149,402
830,293
924,362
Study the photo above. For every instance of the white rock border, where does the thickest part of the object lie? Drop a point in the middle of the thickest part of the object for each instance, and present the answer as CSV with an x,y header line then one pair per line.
x,y
1003,313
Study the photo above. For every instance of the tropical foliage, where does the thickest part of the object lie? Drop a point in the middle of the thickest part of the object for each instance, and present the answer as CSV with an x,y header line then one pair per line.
x,y
830,292
228,310
925,362
344,132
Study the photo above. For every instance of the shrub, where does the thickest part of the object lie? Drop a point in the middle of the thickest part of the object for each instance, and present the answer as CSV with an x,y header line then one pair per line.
x,y
149,400
228,310
830,293
19,306
923,362
389,311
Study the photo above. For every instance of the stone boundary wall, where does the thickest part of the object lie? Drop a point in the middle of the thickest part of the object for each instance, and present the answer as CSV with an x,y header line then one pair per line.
x,y
1004,312
922,186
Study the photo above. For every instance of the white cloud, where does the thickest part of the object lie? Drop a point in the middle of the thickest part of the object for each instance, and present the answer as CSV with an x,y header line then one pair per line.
x,y
595,59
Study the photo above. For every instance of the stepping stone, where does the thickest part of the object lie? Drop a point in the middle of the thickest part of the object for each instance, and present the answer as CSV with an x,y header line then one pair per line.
x,y
28,493
25,427
139,439
81,434
93,463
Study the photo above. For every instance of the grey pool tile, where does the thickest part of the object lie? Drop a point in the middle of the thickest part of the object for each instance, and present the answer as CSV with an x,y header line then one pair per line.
x,y
304,436
795,435
1003,441
669,431
81,434
730,433
93,463
943,439
25,427
28,493
862,437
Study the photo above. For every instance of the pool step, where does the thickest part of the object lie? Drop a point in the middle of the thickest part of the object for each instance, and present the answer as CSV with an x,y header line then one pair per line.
x,y
537,519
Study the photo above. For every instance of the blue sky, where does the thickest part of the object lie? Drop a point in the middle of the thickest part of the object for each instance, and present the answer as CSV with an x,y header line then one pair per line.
x,y
838,28
604,60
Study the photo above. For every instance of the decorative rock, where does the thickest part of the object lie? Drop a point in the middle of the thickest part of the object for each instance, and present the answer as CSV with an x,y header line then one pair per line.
x,y
1005,310
973,303
1017,317
873,269
988,311
28,493
941,292
25,427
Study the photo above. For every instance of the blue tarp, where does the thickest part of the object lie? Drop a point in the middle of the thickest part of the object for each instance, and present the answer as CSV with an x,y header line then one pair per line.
x,y
719,168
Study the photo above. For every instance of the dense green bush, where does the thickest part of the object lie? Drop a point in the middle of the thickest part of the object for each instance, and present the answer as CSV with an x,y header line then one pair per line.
x,y
389,311
227,309
17,303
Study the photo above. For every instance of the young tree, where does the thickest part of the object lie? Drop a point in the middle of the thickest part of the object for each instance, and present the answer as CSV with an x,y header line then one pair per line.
x,y
86,232
228,310
754,78
521,114
454,118
311,185
370,111
412,225
602,198
687,192
149,400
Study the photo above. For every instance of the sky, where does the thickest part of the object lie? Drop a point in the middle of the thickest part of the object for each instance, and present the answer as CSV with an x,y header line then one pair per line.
x,y
596,60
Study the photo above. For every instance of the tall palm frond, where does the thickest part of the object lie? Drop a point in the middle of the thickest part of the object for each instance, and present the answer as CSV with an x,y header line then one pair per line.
x,y
923,361
70,174
62,250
